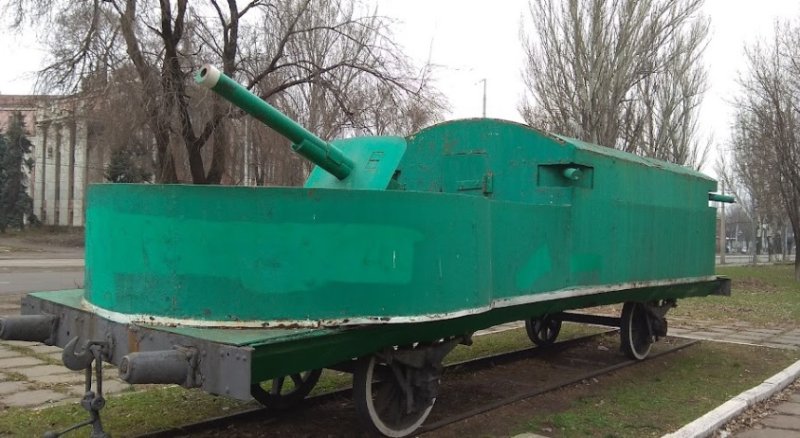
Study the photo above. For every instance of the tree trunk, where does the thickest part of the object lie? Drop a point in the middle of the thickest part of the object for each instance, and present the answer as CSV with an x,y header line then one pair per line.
x,y
217,168
796,264
166,172
793,219
794,222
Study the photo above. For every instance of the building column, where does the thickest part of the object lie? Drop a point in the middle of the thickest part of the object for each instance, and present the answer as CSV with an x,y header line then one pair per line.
x,y
70,185
79,181
52,192
65,158
40,167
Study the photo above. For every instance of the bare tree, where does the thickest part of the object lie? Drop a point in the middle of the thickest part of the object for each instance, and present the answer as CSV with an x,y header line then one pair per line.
x,y
384,112
272,46
621,73
766,136
120,141
354,101
743,182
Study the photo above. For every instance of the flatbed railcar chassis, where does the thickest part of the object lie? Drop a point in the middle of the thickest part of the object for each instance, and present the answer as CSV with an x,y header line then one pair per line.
x,y
233,362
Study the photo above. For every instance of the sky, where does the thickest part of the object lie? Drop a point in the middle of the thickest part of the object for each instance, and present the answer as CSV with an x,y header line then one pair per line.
x,y
473,40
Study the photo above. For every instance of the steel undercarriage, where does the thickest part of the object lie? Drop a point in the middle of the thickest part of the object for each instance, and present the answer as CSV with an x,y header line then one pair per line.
x,y
227,360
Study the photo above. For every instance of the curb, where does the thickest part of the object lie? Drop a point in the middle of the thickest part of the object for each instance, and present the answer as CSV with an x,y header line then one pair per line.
x,y
713,420
42,263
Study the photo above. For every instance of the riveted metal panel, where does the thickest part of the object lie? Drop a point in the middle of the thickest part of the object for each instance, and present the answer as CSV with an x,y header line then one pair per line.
x,y
448,244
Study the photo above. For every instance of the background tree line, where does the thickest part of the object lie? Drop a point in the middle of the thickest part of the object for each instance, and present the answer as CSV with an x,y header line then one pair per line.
x,y
762,165
624,74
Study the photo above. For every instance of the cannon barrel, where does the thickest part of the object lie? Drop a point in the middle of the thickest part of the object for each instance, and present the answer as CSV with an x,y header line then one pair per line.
x,y
320,152
721,198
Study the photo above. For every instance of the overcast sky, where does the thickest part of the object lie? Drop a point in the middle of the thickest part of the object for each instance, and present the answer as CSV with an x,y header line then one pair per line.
x,y
475,39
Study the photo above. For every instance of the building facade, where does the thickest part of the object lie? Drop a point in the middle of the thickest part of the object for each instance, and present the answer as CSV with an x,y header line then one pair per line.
x,y
65,158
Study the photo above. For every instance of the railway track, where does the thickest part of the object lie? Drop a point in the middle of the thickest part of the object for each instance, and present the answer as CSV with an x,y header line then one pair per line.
x,y
570,360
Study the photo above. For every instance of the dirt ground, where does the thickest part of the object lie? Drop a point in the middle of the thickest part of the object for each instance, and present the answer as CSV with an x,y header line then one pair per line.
x,y
43,240
543,414
465,391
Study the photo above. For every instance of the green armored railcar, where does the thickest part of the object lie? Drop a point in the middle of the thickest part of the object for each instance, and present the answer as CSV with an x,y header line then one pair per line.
x,y
392,242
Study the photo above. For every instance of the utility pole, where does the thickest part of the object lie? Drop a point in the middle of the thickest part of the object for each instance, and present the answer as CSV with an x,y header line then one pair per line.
x,y
484,96
722,236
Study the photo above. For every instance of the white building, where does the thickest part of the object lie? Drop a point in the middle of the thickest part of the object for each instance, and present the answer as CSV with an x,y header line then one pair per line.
x,y
65,160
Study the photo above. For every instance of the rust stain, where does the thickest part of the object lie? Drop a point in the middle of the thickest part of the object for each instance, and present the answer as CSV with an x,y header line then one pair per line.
x,y
133,341
289,326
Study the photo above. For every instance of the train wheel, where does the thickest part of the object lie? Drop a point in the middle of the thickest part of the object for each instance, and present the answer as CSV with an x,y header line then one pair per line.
x,y
635,331
385,400
543,331
283,393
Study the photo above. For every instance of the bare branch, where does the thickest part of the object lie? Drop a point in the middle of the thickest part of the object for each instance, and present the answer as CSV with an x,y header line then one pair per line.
x,y
624,74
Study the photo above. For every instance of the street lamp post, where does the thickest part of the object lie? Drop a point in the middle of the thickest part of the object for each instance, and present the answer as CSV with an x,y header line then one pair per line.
x,y
484,96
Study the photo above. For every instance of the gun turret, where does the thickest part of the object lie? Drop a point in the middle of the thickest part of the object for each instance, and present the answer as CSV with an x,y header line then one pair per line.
x,y
315,149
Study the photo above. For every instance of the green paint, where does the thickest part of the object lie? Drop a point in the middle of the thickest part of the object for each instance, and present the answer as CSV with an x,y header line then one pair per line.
x,y
537,266
375,158
343,252
238,253
439,243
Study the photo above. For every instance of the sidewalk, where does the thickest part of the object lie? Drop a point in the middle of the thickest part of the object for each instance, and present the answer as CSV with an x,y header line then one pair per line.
x,y
784,422
772,418
33,376
738,334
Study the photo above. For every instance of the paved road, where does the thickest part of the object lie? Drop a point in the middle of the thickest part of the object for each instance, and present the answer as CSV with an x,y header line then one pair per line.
x,y
13,281
31,270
